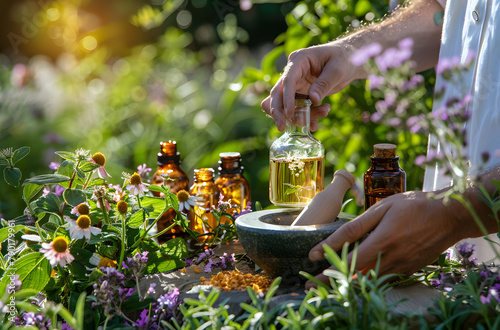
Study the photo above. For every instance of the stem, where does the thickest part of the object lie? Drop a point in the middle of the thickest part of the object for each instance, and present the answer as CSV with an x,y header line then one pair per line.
x,y
122,252
138,288
106,322
163,231
104,210
87,181
39,231
149,228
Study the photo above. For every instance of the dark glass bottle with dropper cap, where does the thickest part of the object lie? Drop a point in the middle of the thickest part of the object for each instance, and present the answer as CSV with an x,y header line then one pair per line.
x,y
169,162
384,177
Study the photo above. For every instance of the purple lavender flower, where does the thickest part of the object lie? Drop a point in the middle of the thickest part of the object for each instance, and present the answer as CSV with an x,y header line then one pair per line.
x,y
58,190
227,261
151,290
136,264
420,160
209,265
406,43
362,55
375,81
376,116
168,302
53,166
465,251
37,321
143,320
247,209
110,291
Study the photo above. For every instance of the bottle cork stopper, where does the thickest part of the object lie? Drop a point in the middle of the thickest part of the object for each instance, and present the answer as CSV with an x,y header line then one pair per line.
x,y
385,150
301,96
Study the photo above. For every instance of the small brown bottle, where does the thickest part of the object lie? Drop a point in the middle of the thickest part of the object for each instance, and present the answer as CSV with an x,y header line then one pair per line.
x,y
202,220
169,162
384,177
234,188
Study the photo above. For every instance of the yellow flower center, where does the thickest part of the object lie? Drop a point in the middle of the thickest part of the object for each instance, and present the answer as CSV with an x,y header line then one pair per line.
x,y
182,196
83,221
106,262
83,209
122,207
99,159
135,179
60,244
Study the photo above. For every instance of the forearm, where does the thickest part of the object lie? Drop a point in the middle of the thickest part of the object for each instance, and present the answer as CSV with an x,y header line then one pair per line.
x,y
415,21
461,214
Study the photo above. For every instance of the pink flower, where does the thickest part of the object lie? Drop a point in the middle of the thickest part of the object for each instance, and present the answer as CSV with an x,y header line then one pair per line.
x,y
57,252
143,169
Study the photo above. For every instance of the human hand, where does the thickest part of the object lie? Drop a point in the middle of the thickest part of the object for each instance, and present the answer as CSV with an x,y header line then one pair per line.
x,y
409,230
319,71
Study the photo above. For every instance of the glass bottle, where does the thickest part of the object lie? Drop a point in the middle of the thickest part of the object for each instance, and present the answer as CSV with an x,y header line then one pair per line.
x,y
297,166
169,162
234,188
384,177
202,220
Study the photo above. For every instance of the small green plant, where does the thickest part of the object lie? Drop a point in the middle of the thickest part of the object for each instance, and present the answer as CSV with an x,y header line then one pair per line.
x,y
11,174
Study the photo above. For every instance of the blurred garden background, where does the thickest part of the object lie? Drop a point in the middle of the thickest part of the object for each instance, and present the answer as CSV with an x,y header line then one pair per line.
x,y
120,76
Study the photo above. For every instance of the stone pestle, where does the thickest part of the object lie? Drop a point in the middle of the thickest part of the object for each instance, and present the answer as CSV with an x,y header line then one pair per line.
x,y
326,205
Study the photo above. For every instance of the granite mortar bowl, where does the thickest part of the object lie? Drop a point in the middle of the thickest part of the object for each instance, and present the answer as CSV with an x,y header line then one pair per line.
x,y
280,249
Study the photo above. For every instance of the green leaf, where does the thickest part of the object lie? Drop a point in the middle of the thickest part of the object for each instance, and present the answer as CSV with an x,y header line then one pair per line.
x,y
88,167
12,176
30,191
153,205
47,179
74,196
291,189
135,303
175,247
33,270
159,263
50,227
20,154
162,188
66,155
82,255
4,232
49,203
136,219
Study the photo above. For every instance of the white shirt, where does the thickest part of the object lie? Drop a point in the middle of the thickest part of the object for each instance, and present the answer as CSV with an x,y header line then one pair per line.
x,y
473,25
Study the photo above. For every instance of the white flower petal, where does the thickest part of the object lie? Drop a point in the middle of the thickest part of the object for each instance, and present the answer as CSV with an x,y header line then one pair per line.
x,y
95,231
77,233
33,238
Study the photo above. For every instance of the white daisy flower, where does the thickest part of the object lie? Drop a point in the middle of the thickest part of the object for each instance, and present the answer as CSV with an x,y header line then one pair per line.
x,y
186,201
57,252
81,228
136,187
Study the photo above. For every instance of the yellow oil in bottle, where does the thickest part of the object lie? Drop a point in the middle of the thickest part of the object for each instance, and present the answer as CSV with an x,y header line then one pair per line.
x,y
294,181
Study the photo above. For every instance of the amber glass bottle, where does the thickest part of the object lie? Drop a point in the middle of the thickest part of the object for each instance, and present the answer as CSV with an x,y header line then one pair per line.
x,y
169,162
234,188
202,221
384,177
